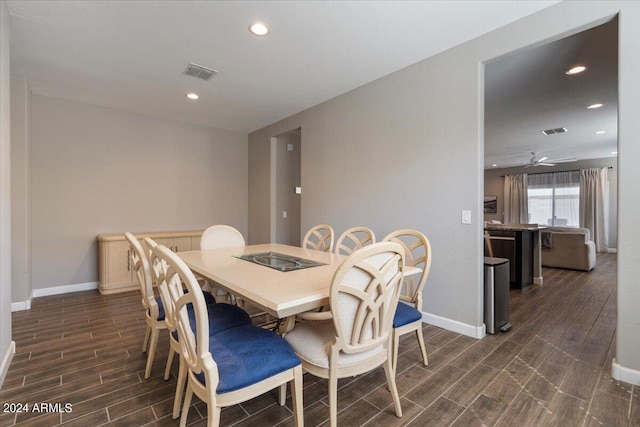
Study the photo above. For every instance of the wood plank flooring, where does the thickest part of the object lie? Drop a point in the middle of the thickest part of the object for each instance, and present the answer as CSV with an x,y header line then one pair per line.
x,y
553,368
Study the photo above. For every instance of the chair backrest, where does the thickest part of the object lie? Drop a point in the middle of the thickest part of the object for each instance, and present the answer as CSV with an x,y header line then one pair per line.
x,y
158,268
417,251
221,236
364,296
319,238
195,348
354,239
140,264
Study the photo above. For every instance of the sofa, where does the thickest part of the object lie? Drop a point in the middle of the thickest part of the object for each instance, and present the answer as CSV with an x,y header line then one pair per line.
x,y
568,247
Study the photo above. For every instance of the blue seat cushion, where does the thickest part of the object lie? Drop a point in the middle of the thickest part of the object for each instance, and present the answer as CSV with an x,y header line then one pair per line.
x,y
207,297
405,314
160,309
221,316
246,355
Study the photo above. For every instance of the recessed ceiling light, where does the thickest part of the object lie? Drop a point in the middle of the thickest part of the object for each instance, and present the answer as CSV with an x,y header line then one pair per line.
x,y
193,96
259,29
592,106
575,70
600,132
614,153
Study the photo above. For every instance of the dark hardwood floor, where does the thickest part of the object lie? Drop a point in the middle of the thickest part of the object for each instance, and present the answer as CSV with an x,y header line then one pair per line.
x,y
552,368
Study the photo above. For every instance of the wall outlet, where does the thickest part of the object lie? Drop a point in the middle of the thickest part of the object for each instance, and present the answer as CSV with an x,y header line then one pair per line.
x,y
466,217
289,147
284,214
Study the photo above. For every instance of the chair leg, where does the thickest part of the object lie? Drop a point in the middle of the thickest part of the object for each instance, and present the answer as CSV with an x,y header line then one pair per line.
x,y
296,396
282,398
395,347
182,379
167,370
213,415
391,380
333,400
153,345
185,405
423,349
146,339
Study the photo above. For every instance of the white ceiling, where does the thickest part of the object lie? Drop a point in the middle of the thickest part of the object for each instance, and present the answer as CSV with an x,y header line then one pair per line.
x,y
528,91
130,55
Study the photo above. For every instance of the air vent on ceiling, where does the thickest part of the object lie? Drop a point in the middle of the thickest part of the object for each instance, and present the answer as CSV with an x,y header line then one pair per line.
x,y
200,72
554,131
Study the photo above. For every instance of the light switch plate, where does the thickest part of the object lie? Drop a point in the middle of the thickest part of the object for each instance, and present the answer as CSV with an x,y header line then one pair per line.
x,y
289,147
298,190
466,217
284,214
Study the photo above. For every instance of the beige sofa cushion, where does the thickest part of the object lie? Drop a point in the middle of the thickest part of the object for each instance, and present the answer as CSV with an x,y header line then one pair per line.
x,y
571,248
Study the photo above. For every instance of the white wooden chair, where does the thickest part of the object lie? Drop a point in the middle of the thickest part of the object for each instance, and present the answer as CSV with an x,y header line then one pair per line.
x,y
221,317
154,309
319,238
355,336
353,239
226,367
408,316
216,237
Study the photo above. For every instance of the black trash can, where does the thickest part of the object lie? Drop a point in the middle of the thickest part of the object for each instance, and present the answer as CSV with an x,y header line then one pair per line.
x,y
496,295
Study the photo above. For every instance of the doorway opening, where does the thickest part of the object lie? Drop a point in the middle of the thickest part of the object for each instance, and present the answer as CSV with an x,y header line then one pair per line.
x,y
286,189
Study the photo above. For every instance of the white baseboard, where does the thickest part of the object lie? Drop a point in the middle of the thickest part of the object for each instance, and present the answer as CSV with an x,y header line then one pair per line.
x,y
21,305
455,326
6,361
627,375
612,250
65,289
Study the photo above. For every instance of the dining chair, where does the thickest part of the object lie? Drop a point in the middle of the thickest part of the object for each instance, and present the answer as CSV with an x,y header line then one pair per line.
x,y
355,336
153,306
217,237
319,238
225,367
221,316
353,239
408,316
488,247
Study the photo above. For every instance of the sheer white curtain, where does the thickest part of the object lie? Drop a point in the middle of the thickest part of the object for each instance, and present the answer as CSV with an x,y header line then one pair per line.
x,y
515,199
594,205
554,198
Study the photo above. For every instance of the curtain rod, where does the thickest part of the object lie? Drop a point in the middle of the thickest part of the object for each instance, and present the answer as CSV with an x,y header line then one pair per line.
x,y
574,170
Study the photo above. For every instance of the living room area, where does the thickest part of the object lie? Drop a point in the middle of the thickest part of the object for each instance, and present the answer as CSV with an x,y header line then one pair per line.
x,y
551,148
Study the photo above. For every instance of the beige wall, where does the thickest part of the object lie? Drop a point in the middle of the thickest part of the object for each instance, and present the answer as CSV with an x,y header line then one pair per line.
x,y
407,151
494,186
20,185
6,345
97,170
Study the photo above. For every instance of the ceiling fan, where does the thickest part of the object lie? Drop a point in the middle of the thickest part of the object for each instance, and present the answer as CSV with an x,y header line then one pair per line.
x,y
545,161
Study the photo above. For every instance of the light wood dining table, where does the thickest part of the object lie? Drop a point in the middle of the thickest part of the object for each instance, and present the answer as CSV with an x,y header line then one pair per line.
x,y
281,294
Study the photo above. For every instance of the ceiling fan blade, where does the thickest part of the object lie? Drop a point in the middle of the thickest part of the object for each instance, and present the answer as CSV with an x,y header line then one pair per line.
x,y
563,160
542,159
545,164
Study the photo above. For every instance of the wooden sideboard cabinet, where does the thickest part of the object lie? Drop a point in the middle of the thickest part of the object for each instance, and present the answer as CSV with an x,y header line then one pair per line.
x,y
115,270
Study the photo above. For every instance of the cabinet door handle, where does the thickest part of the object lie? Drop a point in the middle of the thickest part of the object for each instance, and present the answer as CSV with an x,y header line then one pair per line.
x,y
129,260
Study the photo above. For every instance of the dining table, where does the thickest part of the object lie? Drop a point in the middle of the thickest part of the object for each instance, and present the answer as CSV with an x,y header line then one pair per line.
x,y
294,281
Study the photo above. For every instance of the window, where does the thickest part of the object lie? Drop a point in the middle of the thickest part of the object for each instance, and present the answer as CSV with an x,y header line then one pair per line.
x,y
554,198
